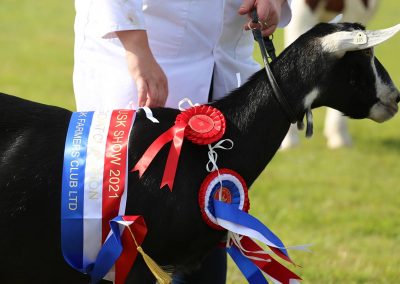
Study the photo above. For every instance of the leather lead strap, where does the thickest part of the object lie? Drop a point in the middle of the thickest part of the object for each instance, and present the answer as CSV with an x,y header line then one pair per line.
x,y
265,55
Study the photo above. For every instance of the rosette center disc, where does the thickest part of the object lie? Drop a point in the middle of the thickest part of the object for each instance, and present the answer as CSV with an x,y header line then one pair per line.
x,y
201,123
223,194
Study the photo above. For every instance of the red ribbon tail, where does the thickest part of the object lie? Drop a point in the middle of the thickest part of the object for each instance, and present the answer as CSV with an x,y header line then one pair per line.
x,y
173,157
281,255
139,167
276,270
267,263
152,151
129,252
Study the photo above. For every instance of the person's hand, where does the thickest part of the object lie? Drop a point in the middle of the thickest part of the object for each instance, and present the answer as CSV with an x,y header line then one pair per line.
x,y
151,82
268,11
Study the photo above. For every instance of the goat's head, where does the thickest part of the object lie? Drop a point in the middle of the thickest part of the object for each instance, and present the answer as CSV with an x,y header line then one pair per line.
x,y
347,75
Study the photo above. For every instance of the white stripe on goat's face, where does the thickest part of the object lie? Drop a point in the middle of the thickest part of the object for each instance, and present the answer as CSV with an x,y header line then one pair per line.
x,y
357,38
310,98
332,43
387,95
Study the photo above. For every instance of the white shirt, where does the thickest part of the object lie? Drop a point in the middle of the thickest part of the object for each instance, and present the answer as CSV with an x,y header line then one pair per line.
x,y
190,39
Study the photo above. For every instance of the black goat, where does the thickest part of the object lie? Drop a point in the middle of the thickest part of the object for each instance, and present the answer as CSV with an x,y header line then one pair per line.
x,y
312,72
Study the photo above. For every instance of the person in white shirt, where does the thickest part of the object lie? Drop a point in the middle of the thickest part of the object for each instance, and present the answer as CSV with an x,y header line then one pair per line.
x,y
133,53
155,52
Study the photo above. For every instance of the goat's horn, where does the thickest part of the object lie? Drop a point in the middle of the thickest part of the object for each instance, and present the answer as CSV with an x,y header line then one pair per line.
x,y
341,42
379,36
336,19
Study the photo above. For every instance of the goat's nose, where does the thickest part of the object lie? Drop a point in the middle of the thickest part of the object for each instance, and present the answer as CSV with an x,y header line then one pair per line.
x,y
395,94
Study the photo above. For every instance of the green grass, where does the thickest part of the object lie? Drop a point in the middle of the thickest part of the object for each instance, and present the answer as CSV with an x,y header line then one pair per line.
x,y
36,50
345,202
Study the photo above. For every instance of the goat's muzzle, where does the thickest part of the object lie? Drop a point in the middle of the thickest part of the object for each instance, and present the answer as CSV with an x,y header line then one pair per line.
x,y
385,109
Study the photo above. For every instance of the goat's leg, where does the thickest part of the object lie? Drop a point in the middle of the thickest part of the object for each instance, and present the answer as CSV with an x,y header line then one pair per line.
x,y
302,20
336,130
291,139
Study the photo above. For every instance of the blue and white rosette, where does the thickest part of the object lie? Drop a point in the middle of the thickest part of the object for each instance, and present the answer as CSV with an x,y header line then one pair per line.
x,y
227,186
224,203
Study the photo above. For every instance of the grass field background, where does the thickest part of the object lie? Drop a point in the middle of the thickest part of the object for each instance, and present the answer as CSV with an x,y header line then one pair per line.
x,y
345,202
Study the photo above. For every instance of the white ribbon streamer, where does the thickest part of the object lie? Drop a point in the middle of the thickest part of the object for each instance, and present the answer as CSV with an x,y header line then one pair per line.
x,y
241,230
187,101
213,156
147,110
239,79
236,239
149,115
94,169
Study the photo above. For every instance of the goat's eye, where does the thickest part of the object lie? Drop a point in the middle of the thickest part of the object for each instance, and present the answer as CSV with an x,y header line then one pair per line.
x,y
367,52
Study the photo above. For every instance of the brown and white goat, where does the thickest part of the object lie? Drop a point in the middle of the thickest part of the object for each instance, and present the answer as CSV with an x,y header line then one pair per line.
x,y
322,68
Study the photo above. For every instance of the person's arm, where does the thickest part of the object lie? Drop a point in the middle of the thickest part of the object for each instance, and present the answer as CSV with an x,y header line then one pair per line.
x,y
268,11
124,19
150,79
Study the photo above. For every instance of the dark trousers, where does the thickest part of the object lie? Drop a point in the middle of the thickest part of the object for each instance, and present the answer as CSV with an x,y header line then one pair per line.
x,y
212,270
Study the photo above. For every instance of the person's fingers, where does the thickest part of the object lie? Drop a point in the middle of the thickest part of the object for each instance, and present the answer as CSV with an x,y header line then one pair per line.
x,y
271,23
160,89
263,10
164,92
152,98
269,30
268,14
246,7
157,93
150,102
142,92
264,26
152,90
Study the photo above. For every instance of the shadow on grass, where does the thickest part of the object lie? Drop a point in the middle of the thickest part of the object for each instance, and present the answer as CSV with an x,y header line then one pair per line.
x,y
391,144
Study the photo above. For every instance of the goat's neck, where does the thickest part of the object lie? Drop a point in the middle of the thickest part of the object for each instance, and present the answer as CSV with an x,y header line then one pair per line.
x,y
256,123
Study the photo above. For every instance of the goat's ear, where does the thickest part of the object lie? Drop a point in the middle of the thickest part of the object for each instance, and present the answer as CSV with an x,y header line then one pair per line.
x,y
341,42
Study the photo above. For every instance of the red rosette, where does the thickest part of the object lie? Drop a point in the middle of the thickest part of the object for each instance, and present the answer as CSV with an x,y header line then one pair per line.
x,y
205,124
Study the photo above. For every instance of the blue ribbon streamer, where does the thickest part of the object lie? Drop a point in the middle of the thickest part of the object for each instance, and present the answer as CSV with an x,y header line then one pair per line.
x,y
232,214
248,268
235,194
72,189
108,254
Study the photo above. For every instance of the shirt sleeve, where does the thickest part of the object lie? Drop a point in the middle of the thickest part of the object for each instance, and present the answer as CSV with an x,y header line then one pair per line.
x,y
110,16
286,14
